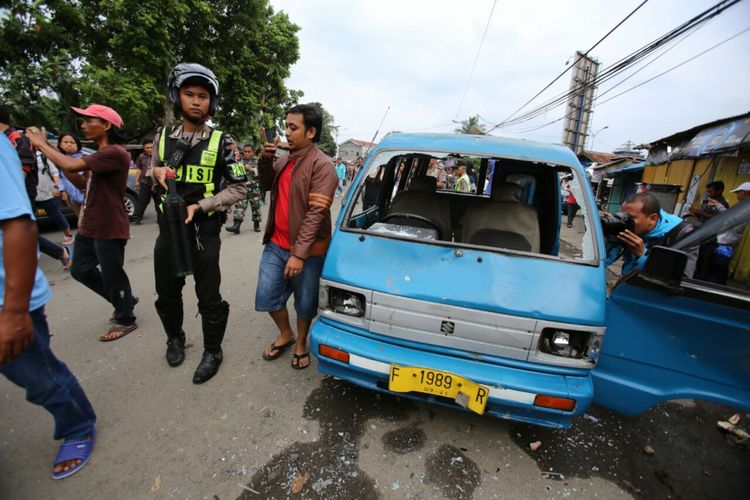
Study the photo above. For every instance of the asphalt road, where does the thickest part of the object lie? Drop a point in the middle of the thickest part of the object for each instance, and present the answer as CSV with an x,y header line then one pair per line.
x,y
258,429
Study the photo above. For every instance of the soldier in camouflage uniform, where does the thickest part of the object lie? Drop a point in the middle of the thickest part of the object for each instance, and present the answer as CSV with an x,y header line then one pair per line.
x,y
253,194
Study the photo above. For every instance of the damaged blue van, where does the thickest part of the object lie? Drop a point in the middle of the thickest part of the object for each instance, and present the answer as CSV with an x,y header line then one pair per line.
x,y
482,299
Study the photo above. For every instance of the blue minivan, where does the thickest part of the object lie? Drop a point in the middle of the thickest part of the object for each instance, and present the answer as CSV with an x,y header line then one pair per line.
x,y
485,301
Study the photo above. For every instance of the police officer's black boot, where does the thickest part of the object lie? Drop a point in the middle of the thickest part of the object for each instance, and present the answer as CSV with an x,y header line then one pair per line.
x,y
235,227
214,326
256,226
176,349
171,318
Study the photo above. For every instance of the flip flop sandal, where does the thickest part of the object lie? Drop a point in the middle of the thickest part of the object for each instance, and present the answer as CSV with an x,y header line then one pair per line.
x,y
113,316
116,332
74,449
278,350
299,357
68,263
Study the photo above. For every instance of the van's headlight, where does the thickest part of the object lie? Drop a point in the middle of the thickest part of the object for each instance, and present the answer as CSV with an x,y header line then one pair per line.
x,y
342,301
565,343
323,297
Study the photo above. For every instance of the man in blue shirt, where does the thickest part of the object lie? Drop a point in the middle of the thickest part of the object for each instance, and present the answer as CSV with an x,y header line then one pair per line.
x,y
341,174
653,226
25,355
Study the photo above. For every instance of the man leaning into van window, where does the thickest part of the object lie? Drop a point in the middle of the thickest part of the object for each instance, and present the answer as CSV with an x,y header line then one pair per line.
x,y
652,226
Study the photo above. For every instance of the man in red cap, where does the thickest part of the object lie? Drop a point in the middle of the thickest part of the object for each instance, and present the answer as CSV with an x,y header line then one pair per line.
x,y
103,227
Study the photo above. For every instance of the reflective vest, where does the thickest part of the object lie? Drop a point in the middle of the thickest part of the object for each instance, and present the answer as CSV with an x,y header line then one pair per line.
x,y
197,177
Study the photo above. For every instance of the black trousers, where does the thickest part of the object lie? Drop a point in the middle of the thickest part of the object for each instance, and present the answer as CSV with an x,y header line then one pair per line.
x,y
98,264
144,198
204,237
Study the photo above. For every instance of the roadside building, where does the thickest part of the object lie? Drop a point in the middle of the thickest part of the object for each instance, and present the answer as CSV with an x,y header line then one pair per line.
x,y
689,160
352,149
612,175
620,178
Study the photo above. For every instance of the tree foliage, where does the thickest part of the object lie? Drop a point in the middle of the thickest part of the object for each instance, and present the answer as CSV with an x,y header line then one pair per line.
x,y
59,53
327,143
471,126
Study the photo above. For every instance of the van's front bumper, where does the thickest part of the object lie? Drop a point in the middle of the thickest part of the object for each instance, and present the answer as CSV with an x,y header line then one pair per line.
x,y
513,389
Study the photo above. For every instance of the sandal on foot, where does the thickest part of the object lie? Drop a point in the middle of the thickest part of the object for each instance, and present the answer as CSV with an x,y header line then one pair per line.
x,y
67,263
113,316
117,332
74,449
296,361
278,350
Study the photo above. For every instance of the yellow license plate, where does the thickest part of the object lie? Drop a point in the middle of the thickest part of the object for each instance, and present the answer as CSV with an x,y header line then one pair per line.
x,y
437,383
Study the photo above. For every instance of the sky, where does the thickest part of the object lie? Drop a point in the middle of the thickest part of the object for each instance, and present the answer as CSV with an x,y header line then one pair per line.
x,y
358,58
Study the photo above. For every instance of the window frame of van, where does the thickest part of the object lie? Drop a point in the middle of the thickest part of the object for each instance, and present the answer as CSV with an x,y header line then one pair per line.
x,y
592,231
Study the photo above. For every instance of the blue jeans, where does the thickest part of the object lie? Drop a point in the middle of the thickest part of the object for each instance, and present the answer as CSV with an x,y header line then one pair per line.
x,y
49,248
49,383
274,290
54,211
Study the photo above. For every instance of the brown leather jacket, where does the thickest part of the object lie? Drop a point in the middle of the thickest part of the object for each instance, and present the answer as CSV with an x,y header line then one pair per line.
x,y
311,193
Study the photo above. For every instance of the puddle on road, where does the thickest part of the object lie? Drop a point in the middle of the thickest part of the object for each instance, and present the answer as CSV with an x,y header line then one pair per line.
x,y
692,458
331,463
404,440
453,472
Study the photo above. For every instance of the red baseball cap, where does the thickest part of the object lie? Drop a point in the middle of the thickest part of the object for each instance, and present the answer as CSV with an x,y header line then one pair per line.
x,y
98,111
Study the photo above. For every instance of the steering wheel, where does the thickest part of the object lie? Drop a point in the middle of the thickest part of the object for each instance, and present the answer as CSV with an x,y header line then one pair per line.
x,y
403,215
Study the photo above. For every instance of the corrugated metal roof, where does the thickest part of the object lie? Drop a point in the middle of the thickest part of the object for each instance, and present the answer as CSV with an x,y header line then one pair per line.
x,y
680,137
598,156
633,167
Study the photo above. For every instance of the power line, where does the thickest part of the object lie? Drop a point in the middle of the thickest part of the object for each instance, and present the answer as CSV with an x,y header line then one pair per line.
x,y
572,65
625,62
476,59
680,64
531,129
684,37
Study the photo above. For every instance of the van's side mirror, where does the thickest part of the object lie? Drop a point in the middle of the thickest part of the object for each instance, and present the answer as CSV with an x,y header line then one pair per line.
x,y
665,267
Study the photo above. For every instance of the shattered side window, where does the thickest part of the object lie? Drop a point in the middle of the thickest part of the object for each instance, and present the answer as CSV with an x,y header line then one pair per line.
x,y
576,234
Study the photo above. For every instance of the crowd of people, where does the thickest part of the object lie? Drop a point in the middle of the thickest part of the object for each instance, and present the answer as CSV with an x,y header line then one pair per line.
x,y
211,177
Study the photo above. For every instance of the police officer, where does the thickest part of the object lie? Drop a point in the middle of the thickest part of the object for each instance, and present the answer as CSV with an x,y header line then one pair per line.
x,y
194,92
253,193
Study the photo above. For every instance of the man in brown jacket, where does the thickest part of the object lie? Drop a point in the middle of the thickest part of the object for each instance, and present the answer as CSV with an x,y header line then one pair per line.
x,y
298,230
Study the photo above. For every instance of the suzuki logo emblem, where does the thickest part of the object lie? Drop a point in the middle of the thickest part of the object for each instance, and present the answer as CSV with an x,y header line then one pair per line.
x,y
447,327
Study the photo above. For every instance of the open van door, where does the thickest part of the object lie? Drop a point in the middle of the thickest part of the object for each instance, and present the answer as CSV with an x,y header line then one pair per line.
x,y
672,338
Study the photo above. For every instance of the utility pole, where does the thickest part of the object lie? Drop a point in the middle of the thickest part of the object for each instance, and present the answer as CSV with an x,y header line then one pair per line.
x,y
578,112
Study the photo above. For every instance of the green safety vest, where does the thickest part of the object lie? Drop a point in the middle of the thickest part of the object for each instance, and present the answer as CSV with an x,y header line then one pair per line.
x,y
202,173
200,170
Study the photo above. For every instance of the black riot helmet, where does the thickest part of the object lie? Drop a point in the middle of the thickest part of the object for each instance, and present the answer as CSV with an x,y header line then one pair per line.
x,y
194,74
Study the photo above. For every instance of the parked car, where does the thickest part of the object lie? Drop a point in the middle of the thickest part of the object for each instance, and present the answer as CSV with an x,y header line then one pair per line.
x,y
471,301
131,193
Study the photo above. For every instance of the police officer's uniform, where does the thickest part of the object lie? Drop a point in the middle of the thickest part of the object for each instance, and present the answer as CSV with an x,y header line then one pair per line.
x,y
199,176
253,200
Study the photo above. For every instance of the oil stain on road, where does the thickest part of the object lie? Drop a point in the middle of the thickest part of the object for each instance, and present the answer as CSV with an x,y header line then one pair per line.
x,y
687,457
329,465
453,472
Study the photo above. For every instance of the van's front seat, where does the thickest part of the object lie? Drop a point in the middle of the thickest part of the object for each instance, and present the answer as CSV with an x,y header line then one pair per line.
x,y
503,221
420,199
